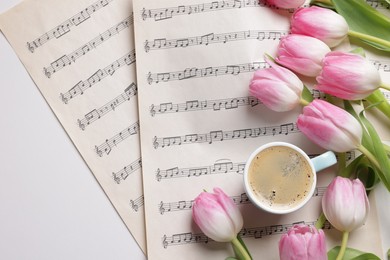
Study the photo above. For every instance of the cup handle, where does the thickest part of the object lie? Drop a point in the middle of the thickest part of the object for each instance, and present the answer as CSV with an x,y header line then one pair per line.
x,y
324,160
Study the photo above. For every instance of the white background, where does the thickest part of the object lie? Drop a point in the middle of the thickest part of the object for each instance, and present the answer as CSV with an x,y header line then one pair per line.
x,y
51,206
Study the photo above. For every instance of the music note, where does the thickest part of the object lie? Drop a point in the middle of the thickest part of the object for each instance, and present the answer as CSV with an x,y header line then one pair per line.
x,y
122,174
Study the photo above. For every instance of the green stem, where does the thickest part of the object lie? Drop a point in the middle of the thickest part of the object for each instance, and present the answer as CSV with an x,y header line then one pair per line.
x,y
342,162
343,246
369,155
369,38
320,221
304,102
236,243
385,86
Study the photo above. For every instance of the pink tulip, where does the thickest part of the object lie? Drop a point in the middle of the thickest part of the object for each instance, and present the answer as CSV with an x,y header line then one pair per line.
x,y
286,4
277,88
217,216
302,54
303,242
345,204
330,127
321,23
348,76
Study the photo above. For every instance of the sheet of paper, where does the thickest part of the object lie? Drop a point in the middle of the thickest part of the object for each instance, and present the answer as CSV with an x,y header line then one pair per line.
x,y
195,59
80,54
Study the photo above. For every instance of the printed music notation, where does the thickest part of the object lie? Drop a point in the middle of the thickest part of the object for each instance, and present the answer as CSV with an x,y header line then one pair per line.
x,y
68,59
206,72
126,171
169,12
100,74
96,114
194,105
377,4
255,232
137,203
109,144
164,207
163,43
381,65
221,166
220,135
64,27
215,104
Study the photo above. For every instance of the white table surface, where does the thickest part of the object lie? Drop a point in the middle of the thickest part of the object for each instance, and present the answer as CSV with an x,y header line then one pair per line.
x,y
51,206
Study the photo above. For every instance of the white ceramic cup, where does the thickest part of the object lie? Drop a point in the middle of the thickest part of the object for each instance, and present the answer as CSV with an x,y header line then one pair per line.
x,y
316,164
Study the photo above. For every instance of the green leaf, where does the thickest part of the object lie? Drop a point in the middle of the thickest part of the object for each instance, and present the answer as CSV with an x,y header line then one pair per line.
x,y
359,51
379,152
362,18
378,98
351,254
231,258
306,94
243,245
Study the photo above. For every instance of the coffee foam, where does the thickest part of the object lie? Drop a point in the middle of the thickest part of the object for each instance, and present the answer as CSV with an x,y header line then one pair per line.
x,y
280,177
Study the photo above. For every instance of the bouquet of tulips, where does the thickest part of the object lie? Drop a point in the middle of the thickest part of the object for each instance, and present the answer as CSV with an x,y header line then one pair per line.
x,y
348,79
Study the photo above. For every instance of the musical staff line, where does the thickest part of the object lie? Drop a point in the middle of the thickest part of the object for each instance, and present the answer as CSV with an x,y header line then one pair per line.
x,y
381,65
68,59
211,38
96,114
137,203
221,166
376,4
215,104
166,207
194,72
220,135
170,12
122,174
109,144
100,74
254,232
65,27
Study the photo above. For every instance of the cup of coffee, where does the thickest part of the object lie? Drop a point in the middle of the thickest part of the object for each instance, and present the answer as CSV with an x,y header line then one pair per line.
x,y
280,177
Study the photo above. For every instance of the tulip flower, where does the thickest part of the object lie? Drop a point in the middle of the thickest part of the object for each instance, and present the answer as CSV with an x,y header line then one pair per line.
x,y
277,88
346,206
302,54
348,76
304,243
219,218
286,4
321,23
330,127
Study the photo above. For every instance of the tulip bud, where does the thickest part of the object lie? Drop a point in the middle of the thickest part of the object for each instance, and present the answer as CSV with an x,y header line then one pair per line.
x,y
286,4
345,204
302,54
348,76
277,88
321,23
330,127
304,243
217,216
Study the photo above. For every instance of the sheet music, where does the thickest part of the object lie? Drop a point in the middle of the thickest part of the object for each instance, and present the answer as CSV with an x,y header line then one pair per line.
x,y
81,55
198,124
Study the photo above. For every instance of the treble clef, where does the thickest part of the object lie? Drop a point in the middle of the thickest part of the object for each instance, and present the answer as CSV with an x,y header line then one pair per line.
x,y
30,47
155,143
116,178
146,46
144,15
134,205
98,151
152,110
64,99
47,72
164,242
158,175
81,124
162,209
150,78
